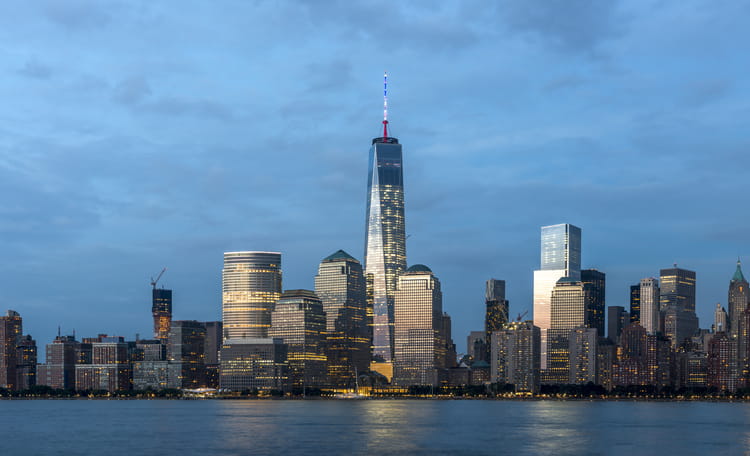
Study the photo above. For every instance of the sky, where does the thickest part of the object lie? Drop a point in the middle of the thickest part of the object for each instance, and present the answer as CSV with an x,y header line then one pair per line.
x,y
141,135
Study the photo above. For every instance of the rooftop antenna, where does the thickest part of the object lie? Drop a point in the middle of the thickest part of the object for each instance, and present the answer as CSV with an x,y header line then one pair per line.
x,y
385,104
58,330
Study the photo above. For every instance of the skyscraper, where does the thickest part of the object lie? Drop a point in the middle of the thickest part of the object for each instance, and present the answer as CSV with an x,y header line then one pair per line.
x,y
635,303
720,318
340,285
570,300
385,235
596,305
419,350
649,311
10,336
677,288
187,354
161,309
560,257
515,356
299,320
617,319
496,314
738,299
251,285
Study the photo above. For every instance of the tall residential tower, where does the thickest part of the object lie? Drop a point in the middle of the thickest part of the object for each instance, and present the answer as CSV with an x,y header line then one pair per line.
x,y
385,235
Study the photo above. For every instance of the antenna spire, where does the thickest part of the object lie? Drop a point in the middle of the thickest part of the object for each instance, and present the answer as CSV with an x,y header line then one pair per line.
x,y
385,104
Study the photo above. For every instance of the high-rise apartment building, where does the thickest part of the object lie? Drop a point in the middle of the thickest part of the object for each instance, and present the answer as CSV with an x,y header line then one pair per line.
x,y
582,348
649,299
635,303
10,335
677,288
59,370
738,299
496,313
299,320
340,285
251,285
418,320
560,257
720,318
161,309
515,356
187,354
596,304
723,373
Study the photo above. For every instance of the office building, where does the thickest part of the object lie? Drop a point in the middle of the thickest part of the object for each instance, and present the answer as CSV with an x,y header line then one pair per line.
x,y
677,288
560,257
515,356
214,331
251,285
738,299
385,236
340,285
59,371
570,301
720,319
631,365
649,312
596,280
187,354
496,313
679,324
617,319
26,360
476,345
635,303
418,328
722,363
254,364
300,322
161,310
11,330
110,368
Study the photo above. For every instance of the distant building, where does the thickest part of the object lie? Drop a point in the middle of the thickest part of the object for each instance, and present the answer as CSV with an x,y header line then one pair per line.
x,y
617,319
161,310
560,257
248,364
631,365
251,285
691,369
606,358
677,288
738,299
418,328
110,368
679,324
582,346
571,299
635,303
476,345
447,337
496,313
26,359
720,319
187,354
214,338
649,300
515,356
722,363
11,330
596,280
59,372
340,285
299,320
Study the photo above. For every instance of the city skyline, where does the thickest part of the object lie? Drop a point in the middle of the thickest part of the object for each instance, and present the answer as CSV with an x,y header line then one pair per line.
x,y
146,152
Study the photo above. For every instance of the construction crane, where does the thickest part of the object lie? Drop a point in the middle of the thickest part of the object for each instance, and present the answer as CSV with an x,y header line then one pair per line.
x,y
154,282
520,316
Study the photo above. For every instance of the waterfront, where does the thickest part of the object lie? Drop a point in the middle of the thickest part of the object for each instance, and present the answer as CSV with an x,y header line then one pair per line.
x,y
179,427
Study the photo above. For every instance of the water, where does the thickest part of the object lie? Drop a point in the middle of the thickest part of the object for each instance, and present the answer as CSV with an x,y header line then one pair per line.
x,y
165,428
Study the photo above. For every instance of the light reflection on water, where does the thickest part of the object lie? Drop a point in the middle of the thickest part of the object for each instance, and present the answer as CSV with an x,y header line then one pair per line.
x,y
168,428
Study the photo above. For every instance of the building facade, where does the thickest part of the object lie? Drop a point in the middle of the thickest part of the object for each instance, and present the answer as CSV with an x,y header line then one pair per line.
x,y
11,330
251,285
418,320
161,310
738,299
496,308
677,288
515,356
649,299
340,285
300,322
596,305
254,364
187,354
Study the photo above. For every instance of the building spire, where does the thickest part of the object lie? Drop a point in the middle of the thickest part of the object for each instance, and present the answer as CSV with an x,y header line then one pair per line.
x,y
738,273
385,104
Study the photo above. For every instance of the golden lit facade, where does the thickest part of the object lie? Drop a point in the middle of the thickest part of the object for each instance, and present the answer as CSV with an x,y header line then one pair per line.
x,y
677,289
340,285
161,309
251,285
649,300
385,238
515,356
299,320
570,299
420,350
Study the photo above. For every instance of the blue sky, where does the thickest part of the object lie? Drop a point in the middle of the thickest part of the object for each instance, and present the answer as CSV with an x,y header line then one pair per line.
x,y
138,135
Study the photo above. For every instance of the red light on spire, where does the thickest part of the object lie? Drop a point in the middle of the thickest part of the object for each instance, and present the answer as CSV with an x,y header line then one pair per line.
x,y
385,105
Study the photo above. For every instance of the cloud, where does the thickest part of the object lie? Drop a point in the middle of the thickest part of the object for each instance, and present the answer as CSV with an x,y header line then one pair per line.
x,y
570,25
79,14
35,70
704,92
132,90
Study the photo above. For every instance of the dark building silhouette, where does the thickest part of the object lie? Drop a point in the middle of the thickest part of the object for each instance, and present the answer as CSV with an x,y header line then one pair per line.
x,y
738,299
26,359
161,309
617,319
186,354
635,303
677,289
10,335
596,303
496,314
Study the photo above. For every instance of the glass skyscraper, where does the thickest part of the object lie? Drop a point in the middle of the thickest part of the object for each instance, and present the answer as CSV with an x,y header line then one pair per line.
x,y
560,257
385,238
251,285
